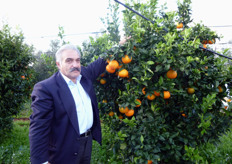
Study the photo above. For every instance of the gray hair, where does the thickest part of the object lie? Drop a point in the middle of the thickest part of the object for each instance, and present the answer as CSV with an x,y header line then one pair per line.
x,y
66,47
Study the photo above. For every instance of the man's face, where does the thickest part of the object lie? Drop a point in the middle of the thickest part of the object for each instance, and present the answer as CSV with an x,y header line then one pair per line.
x,y
70,64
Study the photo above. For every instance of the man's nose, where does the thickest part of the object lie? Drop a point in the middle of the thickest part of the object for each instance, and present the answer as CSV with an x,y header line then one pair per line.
x,y
76,64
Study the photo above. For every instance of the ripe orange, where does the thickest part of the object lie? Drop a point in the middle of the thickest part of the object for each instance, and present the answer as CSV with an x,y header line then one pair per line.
x,y
151,97
104,101
103,81
157,93
23,77
130,113
204,42
108,69
220,89
171,74
113,64
120,116
143,90
179,25
210,42
102,75
139,102
123,73
126,59
191,90
225,107
167,95
111,113
229,100
184,115
204,45
149,162
123,110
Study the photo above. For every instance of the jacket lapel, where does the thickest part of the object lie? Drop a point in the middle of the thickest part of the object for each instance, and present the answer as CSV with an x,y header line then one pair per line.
x,y
86,84
68,101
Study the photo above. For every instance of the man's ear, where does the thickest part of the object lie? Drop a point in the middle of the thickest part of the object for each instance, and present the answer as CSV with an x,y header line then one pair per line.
x,y
58,64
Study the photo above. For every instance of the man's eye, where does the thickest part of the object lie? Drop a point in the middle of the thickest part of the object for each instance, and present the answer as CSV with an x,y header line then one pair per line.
x,y
68,60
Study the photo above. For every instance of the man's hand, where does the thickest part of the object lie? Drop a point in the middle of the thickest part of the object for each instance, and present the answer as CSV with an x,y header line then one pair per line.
x,y
123,40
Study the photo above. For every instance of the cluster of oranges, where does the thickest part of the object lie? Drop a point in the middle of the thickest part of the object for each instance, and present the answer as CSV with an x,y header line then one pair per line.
x,y
205,42
111,68
113,65
171,74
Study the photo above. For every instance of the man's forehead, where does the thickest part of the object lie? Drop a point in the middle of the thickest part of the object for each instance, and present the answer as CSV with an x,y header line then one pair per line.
x,y
70,54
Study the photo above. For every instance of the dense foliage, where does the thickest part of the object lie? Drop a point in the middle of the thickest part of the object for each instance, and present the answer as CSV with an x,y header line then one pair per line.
x,y
181,86
15,77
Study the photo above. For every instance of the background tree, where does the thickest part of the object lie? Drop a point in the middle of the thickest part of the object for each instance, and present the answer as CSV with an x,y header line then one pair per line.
x,y
16,76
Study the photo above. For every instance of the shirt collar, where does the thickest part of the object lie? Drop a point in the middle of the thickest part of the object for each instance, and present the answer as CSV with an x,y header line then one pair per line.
x,y
69,81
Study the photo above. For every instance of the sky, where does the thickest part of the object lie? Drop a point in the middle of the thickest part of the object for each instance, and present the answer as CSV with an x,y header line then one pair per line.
x,y
39,20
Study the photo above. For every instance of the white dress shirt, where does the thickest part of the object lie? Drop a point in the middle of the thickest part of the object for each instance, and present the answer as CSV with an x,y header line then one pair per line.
x,y
82,102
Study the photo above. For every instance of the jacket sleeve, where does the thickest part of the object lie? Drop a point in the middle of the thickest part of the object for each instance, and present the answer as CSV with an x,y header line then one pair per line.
x,y
96,68
40,124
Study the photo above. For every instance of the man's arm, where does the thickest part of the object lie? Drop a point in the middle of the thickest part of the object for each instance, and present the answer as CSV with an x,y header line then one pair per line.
x,y
40,124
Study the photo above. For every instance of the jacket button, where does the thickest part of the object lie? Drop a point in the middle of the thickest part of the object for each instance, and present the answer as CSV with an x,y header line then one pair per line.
x,y
75,154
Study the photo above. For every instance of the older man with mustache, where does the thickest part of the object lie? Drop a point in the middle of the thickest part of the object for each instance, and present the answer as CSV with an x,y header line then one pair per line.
x,y
65,115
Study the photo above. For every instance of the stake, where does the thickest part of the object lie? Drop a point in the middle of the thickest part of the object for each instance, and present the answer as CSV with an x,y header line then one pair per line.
x,y
167,30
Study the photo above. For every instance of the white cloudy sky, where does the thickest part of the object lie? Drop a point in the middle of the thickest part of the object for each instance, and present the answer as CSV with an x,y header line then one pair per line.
x,y
40,19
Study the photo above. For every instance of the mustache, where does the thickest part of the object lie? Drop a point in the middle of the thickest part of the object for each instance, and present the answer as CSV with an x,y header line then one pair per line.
x,y
75,69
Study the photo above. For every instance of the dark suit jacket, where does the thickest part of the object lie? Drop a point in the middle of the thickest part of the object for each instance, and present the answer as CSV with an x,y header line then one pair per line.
x,y
54,130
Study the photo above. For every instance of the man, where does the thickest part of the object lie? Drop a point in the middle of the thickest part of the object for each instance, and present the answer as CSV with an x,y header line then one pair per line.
x,y
65,111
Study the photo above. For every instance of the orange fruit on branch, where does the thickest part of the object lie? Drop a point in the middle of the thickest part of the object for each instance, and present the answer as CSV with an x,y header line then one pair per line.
x,y
171,74
126,59
143,90
210,42
123,110
157,93
139,102
120,116
104,101
180,25
123,73
204,45
191,90
151,97
111,113
130,113
109,69
167,94
220,89
103,81
113,64
102,75
149,162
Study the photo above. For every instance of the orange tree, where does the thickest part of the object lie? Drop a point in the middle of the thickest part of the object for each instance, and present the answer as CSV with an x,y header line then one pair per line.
x,y
169,96
15,78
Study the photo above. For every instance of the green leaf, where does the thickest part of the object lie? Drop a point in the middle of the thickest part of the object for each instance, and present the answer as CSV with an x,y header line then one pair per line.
x,y
123,146
150,62
141,139
158,67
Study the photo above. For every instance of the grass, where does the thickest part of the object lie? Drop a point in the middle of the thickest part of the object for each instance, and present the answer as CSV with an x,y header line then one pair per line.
x,y
219,152
26,112
15,148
